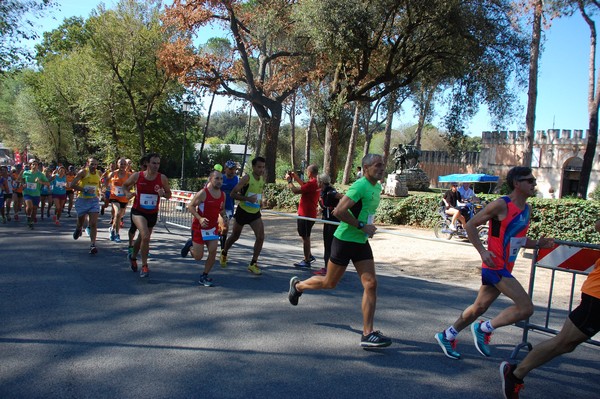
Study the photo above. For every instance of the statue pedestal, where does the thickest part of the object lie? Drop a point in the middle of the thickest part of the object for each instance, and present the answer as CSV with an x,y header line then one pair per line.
x,y
395,185
416,179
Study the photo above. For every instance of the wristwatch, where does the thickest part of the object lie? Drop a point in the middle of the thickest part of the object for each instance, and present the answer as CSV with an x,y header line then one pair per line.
x,y
360,225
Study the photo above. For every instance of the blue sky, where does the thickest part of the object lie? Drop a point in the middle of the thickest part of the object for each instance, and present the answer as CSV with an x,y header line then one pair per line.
x,y
562,81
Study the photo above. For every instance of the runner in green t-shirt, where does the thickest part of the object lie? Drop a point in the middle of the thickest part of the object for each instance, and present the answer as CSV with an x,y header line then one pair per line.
x,y
32,180
356,212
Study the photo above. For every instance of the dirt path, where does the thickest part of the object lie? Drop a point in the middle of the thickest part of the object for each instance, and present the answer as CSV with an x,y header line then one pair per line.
x,y
417,253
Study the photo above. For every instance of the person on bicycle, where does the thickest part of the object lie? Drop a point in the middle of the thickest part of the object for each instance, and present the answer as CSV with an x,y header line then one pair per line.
x,y
466,192
451,199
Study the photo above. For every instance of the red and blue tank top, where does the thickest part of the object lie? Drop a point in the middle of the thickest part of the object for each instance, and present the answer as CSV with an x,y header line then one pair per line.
x,y
508,236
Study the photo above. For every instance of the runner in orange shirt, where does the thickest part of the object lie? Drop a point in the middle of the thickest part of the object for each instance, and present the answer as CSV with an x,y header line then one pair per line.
x,y
118,199
582,324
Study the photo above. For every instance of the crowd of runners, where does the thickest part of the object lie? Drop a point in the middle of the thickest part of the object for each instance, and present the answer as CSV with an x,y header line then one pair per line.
x,y
51,189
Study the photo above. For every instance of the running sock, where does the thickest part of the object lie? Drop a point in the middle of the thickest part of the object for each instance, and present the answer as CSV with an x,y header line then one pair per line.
x,y
450,333
253,261
486,327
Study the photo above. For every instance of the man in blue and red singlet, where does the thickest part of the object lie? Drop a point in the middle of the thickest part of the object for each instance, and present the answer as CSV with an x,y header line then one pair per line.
x,y
508,218
150,186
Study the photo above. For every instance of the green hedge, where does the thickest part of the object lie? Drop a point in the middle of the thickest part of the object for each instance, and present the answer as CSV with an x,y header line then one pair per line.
x,y
564,219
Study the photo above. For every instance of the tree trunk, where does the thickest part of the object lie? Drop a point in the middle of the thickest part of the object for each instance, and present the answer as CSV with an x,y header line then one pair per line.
x,y
247,138
593,103
142,138
271,137
293,132
205,130
261,129
534,54
352,144
332,135
309,139
588,156
389,119
424,111
368,136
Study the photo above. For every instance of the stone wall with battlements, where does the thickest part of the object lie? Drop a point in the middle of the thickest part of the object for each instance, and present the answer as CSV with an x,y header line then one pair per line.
x,y
557,158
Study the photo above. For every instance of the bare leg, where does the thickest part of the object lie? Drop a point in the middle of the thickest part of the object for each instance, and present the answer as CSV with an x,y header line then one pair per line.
x,y
259,232
566,341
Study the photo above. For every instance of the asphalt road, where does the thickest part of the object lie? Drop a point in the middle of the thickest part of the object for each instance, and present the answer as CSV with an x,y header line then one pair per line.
x,y
74,325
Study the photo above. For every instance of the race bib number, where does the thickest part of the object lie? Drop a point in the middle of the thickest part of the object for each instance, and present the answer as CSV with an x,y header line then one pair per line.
x,y
31,186
89,191
60,184
209,234
254,204
148,201
15,184
516,243
370,219
118,191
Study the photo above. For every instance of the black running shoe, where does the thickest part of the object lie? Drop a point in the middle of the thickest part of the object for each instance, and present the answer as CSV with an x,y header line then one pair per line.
x,y
134,265
93,250
76,234
511,385
375,340
186,248
294,294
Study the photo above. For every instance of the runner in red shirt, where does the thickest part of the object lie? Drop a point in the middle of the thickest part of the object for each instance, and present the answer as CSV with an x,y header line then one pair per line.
x,y
309,200
208,209
150,186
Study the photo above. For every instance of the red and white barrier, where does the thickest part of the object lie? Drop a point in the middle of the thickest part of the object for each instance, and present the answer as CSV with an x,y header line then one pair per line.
x,y
181,196
568,257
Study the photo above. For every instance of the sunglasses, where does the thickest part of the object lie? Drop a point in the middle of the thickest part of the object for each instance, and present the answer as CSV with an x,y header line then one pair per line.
x,y
530,180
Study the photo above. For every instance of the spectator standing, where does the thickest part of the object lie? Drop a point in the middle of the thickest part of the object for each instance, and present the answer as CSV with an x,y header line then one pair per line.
x,y
309,199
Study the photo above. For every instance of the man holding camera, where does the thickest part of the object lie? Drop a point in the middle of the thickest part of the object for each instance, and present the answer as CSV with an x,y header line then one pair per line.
x,y
309,200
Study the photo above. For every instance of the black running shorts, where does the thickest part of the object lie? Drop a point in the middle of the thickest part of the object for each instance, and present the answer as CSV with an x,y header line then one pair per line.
x,y
151,218
342,252
242,217
305,227
586,316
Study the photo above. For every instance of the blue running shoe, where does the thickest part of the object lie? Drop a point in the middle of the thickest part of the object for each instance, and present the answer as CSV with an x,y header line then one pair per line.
x,y
447,346
205,281
481,339
87,231
303,264
117,238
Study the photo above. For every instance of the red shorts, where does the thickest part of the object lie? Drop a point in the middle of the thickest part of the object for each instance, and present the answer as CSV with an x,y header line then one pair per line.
x,y
198,237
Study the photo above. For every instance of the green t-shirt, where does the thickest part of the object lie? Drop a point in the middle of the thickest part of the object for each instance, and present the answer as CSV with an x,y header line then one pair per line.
x,y
31,187
366,197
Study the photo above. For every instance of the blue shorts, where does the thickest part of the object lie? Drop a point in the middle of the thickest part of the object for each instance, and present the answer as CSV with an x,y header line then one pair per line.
x,y
87,205
34,200
493,276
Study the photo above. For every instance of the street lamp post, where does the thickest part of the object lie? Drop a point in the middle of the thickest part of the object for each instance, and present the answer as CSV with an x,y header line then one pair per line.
x,y
187,106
